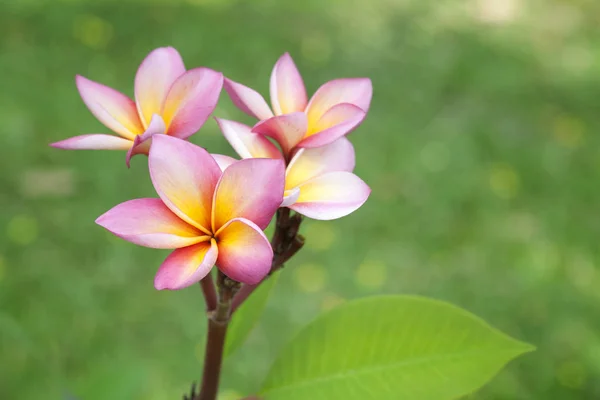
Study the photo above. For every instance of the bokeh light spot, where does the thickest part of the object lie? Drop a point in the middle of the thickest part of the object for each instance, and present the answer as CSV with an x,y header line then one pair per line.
x,y
571,374
92,31
371,274
22,229
310,278
321,235
497,11
504,181
568,131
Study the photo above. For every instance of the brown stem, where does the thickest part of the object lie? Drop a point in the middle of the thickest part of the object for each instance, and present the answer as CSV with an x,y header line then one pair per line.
x,y
210,293
215,342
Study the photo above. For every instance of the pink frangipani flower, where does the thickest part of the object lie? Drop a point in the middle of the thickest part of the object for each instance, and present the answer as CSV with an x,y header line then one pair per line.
x,y
168,100
319,182
335,109
209,216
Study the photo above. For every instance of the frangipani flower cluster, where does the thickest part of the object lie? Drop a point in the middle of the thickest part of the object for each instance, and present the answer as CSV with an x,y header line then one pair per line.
x,y
212,209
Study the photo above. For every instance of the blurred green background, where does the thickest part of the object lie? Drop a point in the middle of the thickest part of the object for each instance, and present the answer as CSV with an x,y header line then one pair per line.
x,y
481,148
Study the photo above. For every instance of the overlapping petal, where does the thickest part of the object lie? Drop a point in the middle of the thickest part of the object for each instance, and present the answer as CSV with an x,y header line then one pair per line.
x,y
288,93
186,266
153,80
337,122
248,100
357,91
245,254
95,141
331,195
191,100
290,196
184,176
247,143
251,189
223,161
141,144
309,163
149,223
115,110
288,130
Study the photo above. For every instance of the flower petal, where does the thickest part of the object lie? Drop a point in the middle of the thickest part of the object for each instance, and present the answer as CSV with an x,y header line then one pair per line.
x,y
288,94
245,254
141,144
95,141
223,161
149,223
153,80
251,189
357,91
191,100
186,266
290,197
309,163
115,110
248,100
337,122
184,176
246,143
331,195
288,130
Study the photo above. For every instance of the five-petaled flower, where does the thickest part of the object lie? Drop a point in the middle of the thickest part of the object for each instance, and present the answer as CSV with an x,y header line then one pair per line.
x,y
208,215
168,100
319,182
335,109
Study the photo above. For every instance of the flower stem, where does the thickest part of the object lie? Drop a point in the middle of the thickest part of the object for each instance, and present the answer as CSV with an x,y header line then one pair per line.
x,y
218,321
210,293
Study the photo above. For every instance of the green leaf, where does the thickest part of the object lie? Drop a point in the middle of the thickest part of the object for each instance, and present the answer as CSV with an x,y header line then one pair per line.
x,y
390,347
247,315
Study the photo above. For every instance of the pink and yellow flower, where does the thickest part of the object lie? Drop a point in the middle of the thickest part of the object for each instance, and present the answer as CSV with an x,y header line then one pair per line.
x,y
168,100
319,182
335,109
209,216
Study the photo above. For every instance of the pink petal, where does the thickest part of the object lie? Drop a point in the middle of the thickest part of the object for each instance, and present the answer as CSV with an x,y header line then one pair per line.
x,y
248,100
337,122
191,100
288,94
186,266
357,91
94,141
153,80
141,144
309,163
251,189
115,110
288,130
184,176
246,143
331,195
149,223
223,161
245,254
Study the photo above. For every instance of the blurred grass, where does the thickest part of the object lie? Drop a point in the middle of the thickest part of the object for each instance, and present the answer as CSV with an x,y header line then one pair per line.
x,y
481,147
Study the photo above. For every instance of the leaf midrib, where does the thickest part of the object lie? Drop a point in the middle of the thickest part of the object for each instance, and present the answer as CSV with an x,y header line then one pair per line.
x,y
399,364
